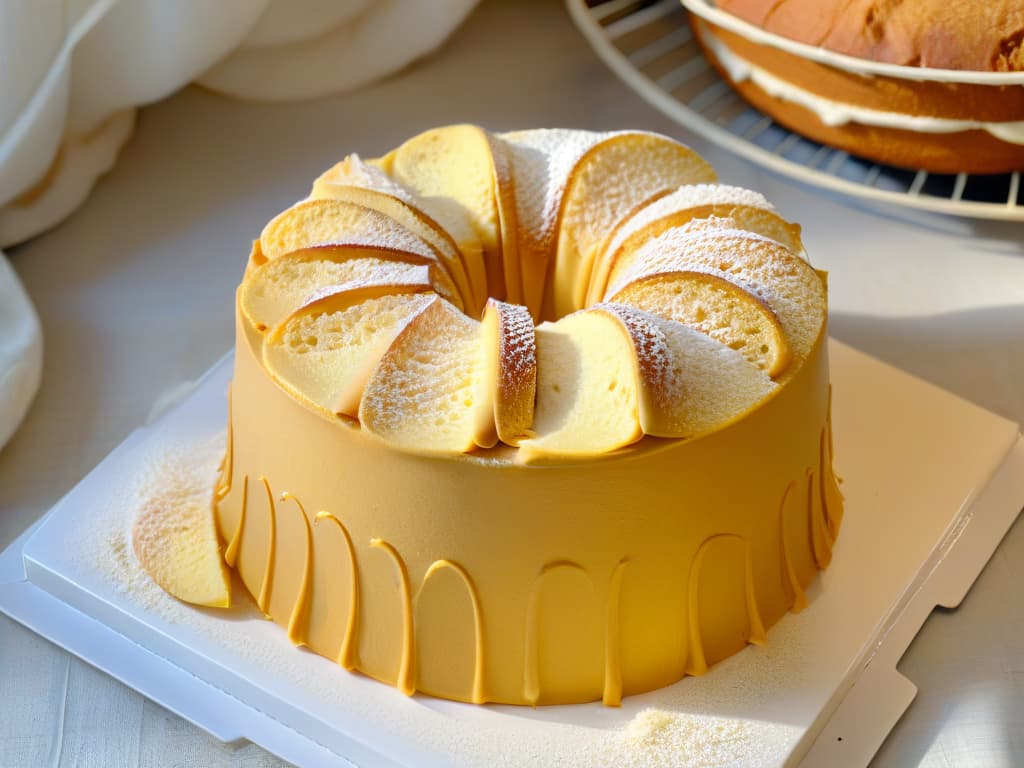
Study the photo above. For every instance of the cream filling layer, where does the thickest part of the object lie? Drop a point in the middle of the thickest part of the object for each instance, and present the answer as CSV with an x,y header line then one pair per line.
x,y
836,113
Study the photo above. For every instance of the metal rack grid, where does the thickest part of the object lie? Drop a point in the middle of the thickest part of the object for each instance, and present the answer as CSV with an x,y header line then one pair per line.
x,y
648,44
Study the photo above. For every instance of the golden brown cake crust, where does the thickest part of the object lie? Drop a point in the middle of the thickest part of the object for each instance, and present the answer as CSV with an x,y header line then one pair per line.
x,y
944,34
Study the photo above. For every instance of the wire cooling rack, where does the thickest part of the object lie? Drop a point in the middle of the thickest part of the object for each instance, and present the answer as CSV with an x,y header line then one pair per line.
x,y
649,45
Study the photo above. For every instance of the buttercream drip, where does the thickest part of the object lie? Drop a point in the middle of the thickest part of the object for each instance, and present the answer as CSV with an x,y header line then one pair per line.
x,y
231,551
561,589
790,578
754,632
807,504
836,113
405,681
478,691
612,694
263,601
830,493
821,541
757,636
814,509
346,655
298,620
226,469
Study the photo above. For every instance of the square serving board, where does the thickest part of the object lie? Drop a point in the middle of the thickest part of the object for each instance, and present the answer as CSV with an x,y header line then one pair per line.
x,y
932,483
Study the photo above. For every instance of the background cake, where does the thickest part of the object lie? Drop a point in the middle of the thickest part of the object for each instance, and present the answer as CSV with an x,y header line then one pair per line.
x,y
425,485
922,84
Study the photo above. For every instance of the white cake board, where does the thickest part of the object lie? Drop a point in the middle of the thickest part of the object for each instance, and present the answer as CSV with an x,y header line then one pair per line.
x,y
932,485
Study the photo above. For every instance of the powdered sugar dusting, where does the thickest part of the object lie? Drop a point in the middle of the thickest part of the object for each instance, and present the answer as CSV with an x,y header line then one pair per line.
x,y
541,162
416,277
176,474
686,198
618,175
422,392
355,171
517,346
658,378
279,287
755,263
335,222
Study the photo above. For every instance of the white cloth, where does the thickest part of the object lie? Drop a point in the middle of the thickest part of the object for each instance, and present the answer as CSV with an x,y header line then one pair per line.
x,y
73,71
372,42
21,351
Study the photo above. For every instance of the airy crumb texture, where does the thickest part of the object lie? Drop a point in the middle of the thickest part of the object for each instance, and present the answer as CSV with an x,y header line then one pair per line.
x,y
414,220
718,308
422,393
586,388
323,221
760,266
367,184
286,283
325,354
745,209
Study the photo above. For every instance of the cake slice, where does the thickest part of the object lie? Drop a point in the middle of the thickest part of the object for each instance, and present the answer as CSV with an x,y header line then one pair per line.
x,y
423,393
748,210
542,161
324,352
509,380
273,291
688,385
607,184
718,308
414,220
339,222
450,219
758,265
587,389
463,164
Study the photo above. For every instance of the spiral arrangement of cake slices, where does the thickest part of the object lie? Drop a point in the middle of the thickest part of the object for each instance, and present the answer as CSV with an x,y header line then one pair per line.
x,y
560,291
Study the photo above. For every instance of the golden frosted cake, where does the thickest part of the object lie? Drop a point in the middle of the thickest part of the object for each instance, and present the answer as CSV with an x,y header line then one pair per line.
x,y
533,418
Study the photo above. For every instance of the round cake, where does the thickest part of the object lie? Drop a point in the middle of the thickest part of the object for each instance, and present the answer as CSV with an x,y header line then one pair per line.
x,y
923,84
533,418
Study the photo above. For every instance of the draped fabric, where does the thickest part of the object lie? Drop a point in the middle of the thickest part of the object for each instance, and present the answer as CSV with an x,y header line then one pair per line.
x,y
73,72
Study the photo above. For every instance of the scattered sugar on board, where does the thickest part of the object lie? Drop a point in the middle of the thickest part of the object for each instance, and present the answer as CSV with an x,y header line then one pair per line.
x,y
174,474
698,722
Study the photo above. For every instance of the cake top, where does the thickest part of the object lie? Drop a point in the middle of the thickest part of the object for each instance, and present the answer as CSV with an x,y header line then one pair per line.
x,y
941,34
559,292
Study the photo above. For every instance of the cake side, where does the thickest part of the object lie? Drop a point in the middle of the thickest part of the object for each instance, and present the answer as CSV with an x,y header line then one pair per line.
x,y
477,578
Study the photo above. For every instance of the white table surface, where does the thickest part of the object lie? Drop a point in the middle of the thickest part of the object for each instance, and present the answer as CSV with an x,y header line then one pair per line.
x,y
135,296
